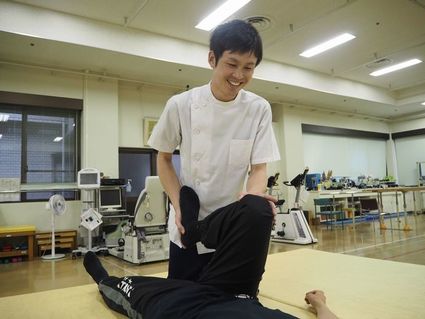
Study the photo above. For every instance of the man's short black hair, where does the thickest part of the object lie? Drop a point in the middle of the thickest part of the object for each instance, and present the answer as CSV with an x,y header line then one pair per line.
x,y
236,36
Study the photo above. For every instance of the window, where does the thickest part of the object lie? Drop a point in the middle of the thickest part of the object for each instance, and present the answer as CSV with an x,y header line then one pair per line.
x,y
39,145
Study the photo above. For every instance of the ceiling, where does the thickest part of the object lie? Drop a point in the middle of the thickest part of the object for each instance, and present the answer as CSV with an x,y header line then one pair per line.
x,y
387,31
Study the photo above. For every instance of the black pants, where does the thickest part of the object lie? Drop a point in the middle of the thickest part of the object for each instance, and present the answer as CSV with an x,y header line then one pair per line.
x,y
240,233
186,264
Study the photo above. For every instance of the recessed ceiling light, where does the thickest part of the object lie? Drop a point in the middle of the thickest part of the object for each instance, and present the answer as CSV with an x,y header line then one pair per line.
x,y
396,67
261,23
1,135
58,139
340,39
220,14
423,103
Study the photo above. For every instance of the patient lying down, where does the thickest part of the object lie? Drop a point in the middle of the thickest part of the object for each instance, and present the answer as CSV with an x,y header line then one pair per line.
x,y
228,285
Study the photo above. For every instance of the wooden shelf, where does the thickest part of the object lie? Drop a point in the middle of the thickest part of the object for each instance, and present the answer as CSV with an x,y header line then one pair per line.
x,y
57,245
8,232
66,239
13,253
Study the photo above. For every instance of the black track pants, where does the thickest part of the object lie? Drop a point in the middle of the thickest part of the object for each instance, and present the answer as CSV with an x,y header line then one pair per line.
x,y
240,233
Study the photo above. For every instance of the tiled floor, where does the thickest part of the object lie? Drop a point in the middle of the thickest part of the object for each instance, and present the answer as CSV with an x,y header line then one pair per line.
x,y
364,239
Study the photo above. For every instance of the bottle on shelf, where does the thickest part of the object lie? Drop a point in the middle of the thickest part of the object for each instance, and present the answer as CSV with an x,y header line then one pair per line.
x,y
128,187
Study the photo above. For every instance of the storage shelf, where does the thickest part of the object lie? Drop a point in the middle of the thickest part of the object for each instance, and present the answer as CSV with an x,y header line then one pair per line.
x,y
66,239
25,231
13,253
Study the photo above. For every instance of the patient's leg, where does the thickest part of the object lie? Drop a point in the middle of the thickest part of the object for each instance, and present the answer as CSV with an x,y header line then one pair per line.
x,y
240,233
189,206
133,296
94,267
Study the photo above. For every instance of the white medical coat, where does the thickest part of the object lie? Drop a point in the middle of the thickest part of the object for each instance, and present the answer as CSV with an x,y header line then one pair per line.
x,y
218,142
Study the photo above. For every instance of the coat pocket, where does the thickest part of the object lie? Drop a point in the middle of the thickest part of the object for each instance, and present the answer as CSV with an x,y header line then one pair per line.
x,y
240,153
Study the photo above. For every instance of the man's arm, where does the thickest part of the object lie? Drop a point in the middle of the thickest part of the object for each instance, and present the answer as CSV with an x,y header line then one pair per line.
x,y
257,179
170,182
257,184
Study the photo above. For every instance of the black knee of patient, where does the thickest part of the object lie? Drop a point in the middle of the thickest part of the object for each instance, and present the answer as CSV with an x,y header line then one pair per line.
x,y
257,206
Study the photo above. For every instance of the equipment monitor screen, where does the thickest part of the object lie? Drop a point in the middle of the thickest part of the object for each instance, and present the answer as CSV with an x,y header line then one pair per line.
x,y
110,198
88,179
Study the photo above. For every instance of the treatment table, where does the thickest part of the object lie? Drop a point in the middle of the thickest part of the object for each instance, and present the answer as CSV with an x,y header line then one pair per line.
x,y
356,287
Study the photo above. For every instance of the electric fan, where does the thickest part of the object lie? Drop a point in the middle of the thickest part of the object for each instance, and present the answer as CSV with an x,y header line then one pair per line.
x,y
57,205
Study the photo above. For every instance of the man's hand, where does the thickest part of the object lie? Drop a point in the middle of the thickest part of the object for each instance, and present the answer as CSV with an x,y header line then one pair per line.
x,y
272,200
170,182
179,221
317,299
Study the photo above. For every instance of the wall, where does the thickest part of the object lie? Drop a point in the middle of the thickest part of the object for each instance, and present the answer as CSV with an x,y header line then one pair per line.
x,y
100,131
407,125
35,213
100,126
137,102
44,82
113,117
409,150
290,118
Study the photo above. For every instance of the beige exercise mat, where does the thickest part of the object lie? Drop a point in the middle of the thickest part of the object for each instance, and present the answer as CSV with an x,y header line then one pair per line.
x,y
81,302
296,311
356,287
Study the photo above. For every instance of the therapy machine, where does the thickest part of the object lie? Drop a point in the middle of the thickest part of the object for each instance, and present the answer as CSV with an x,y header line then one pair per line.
x,y
88,181
292,227
145,238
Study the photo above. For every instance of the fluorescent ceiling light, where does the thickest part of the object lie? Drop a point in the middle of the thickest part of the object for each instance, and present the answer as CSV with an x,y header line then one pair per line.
x,y
345,37
58,139
4,117
396,67
220,14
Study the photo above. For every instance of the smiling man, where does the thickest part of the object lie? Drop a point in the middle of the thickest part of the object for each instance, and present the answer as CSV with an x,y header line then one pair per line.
x,y
231,72
223,133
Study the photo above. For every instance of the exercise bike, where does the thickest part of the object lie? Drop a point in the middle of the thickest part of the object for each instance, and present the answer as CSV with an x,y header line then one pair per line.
x,y
292,227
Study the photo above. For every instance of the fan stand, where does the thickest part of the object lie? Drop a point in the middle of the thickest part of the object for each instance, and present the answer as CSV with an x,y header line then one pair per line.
x,y
53,256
